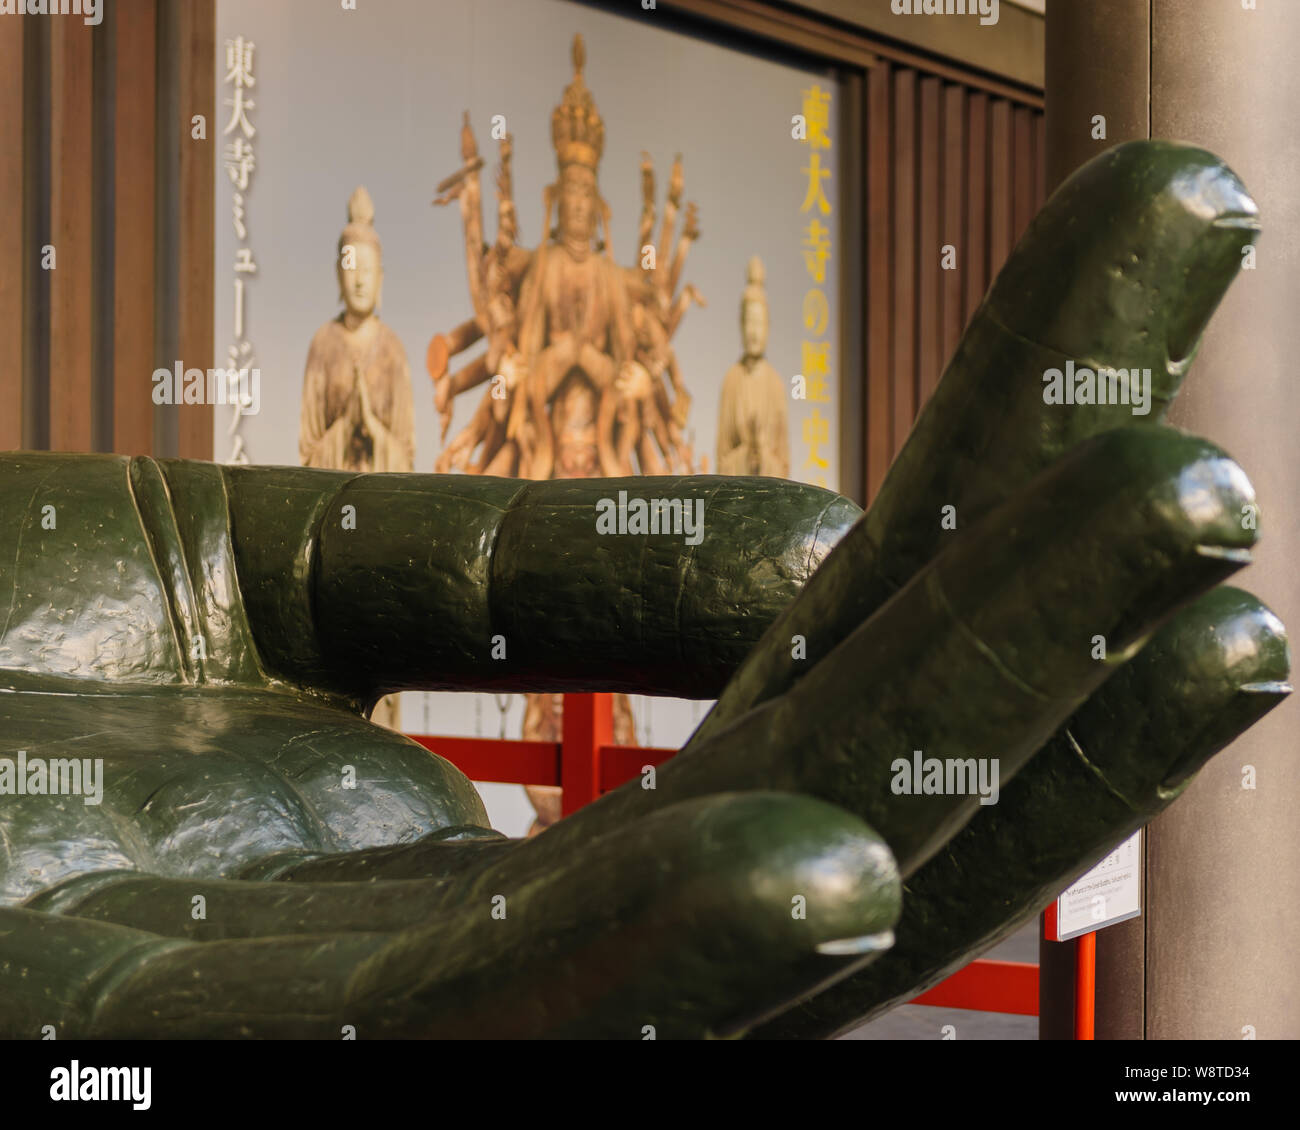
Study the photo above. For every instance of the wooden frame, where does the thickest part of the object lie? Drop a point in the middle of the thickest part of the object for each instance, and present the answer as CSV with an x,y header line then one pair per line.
x,y
836,42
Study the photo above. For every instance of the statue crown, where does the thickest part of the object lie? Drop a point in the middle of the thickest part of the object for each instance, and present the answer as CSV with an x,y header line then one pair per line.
x,y
577,129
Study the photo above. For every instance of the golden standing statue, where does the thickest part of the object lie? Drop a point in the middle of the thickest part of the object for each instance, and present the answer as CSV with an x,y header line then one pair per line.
x,y
358,412
582,377
753,434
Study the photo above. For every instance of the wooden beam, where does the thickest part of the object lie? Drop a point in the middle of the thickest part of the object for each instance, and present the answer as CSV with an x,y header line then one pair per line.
x,y
835,42
880,291
71,183
977,188
1040,162
1001,157
13,268
851,271
929,299
904,225
1013,49
134,169
954,214
198,34
1023,208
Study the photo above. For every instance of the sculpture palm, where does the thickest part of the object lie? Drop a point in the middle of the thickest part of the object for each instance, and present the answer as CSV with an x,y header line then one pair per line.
x,y
267,863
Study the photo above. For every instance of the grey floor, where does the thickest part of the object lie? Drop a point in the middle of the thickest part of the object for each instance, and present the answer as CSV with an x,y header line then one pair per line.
x,y
921,1022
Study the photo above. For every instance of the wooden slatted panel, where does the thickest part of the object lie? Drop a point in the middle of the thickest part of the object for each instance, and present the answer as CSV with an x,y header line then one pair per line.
x,y
71,180
103,77
954,215
879,282
1000,186
134,169
904,339
1023,190
198,96
13,269
977,278
929,298
1040,161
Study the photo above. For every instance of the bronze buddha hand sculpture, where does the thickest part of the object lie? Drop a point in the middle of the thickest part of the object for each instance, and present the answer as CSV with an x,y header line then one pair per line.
x,y
1033,593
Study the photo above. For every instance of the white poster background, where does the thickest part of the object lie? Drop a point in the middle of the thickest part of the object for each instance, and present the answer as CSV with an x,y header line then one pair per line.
x,y
374,95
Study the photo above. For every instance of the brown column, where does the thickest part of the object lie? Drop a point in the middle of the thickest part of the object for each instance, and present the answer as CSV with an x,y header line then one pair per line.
x,y
134,28
13,264
71,279
1214,954
197,21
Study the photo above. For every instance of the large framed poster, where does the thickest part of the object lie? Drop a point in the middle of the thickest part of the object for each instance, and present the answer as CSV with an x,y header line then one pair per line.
x,y
426,209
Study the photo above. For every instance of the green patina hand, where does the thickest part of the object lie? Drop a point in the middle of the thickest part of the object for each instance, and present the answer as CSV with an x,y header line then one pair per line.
x,y
264,862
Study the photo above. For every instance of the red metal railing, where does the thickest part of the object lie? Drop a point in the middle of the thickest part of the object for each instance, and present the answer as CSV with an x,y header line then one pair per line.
x,y
586,764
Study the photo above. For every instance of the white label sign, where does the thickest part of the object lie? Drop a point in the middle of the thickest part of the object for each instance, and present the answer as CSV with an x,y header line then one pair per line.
x,y
1111,892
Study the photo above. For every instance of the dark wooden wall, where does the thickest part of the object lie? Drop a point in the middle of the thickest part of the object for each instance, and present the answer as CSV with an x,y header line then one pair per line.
x,y
97,160
945,164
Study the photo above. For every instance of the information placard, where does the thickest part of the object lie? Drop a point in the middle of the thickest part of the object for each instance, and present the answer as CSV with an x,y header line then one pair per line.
x,y
1111,892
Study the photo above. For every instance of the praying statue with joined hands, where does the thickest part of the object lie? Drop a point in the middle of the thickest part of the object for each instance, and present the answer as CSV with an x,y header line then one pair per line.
x,y
357,409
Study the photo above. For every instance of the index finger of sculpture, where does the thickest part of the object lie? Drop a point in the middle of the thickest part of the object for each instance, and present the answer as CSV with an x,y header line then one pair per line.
x,y
380,583
1121,269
